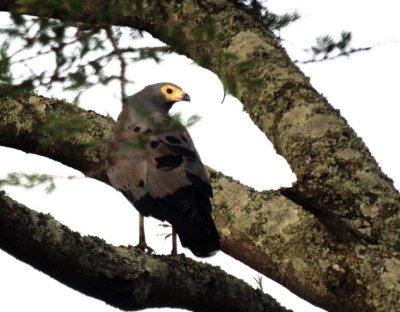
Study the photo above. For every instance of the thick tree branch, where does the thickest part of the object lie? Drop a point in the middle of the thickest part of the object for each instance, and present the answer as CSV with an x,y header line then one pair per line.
x,y
262,229
57,130
123,277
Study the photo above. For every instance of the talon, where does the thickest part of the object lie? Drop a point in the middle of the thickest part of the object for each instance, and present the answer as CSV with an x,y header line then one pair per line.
x,y
142,238
147,249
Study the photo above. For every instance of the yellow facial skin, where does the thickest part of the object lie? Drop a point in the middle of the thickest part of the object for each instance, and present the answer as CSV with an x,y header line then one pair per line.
x,y
174,94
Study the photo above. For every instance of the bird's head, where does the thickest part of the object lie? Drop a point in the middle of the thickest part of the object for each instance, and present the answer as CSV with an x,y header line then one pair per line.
x,y
171,93
160,97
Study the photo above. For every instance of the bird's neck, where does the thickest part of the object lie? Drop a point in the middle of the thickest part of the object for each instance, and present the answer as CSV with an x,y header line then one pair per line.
x,y
148,106
136,113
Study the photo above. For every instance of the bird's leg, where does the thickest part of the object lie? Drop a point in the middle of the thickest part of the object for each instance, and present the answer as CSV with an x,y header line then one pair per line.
x,y
142,238
174,250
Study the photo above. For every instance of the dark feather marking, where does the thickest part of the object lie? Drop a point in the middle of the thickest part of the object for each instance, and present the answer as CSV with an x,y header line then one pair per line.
x,y
169,161
184,139
154,144
141,184
185,152
173,140
136,129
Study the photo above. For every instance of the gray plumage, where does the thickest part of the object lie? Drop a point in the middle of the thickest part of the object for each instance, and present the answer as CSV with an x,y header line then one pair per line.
x,y
153,162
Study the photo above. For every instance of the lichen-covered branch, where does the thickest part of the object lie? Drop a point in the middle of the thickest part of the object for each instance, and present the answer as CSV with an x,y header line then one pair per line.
x,y
57,130
265,230
124,277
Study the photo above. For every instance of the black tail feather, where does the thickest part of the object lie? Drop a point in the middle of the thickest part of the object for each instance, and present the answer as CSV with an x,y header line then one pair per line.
x,y
198,233
189,212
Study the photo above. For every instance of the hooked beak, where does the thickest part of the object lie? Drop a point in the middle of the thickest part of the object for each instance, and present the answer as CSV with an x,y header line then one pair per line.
x,y
185,97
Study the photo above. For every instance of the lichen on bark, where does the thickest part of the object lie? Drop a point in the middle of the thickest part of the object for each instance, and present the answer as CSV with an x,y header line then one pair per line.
x,y
124,277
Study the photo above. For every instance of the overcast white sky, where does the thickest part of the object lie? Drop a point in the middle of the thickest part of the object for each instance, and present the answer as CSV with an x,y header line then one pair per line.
x,y
365,87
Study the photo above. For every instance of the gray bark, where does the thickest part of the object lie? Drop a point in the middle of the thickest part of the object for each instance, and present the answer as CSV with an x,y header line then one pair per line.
x,y
124,277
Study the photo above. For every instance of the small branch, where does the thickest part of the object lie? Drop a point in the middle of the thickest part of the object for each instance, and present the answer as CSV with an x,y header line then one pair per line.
x,y
328,58
114,43
31,180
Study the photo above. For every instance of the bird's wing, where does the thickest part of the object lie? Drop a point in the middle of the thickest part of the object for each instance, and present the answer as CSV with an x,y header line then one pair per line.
x,y
143,160
175,163
127,161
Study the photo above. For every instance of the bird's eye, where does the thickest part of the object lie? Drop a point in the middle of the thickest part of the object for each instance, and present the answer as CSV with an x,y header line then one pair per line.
x,y
169,90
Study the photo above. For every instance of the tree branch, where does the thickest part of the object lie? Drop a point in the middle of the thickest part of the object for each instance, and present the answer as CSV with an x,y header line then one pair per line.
x,y
262,229
333,57
122,62
124,277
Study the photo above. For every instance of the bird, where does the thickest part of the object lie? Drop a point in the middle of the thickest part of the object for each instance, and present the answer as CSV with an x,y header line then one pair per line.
x,y
152,161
